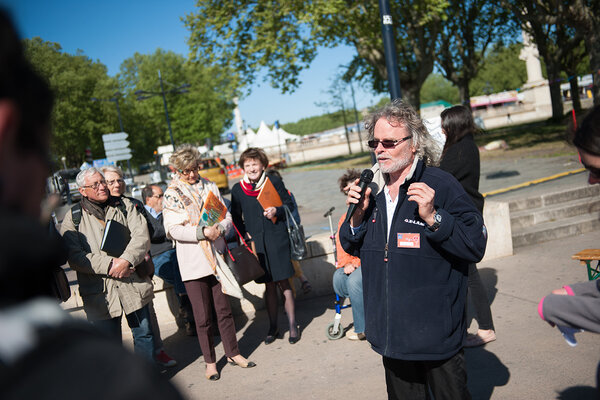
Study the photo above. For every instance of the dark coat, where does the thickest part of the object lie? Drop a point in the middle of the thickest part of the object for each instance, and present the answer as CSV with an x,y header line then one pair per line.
x,y
461,160
271,239
415,297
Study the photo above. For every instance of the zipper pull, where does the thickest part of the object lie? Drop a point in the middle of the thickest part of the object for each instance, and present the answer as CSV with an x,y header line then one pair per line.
x,y
385,256
374,215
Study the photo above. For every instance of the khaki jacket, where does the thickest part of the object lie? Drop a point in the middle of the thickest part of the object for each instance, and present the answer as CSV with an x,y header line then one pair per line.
x,y
105,297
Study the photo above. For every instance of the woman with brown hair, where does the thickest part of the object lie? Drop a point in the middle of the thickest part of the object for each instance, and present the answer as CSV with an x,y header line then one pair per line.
x,y
460,158
198,247
270,239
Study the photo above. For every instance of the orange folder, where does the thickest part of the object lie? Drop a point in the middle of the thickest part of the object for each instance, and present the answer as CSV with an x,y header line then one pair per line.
x,y
268,197
213,210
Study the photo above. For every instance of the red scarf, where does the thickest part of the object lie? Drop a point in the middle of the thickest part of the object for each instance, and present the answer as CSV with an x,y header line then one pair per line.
x,y
248,189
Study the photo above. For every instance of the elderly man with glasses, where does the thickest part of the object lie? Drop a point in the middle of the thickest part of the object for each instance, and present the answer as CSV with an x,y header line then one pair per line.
x,y
109,284
415,239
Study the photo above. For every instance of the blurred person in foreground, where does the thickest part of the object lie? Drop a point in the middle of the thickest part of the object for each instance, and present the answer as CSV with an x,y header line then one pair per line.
x,y
347,278
415,240
117,186
44,353
271,239
198,247
576,307
460,158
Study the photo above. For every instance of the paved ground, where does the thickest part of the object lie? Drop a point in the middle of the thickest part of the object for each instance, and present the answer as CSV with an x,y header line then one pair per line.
x,y
530,360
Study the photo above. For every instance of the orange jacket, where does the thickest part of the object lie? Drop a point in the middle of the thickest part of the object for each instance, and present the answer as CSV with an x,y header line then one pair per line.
x,y
344,258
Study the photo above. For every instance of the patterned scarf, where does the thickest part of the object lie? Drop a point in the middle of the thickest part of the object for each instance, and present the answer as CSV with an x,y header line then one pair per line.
x,y
253,189
191,198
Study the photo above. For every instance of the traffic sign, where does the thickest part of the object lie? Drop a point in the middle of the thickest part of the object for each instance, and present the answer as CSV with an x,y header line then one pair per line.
x,y
119,157
115,152
120,144
113,137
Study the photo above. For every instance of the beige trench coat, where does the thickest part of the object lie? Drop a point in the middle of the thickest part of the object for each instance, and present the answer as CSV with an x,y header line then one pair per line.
x,y
105,297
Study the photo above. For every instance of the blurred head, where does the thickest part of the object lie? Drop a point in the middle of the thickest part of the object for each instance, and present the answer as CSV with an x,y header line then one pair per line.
x,y
185,160
254,161
114,180
25,107
92,185
457,122
152,195
401,115
587,141
350,176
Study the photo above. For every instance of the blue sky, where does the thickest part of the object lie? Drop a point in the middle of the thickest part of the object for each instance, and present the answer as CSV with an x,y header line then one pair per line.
x,y
111,31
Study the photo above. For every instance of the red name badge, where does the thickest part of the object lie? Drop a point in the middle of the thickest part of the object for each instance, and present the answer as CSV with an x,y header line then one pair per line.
x,y
409,240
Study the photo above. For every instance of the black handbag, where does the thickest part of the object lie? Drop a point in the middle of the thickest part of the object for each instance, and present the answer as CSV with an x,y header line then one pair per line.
x,y
298,249
242,262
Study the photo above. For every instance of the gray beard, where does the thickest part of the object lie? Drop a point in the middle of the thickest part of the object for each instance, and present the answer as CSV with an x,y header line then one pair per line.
x,y
396,166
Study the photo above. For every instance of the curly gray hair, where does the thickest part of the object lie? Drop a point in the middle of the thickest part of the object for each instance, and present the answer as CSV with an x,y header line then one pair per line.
x,y
184,156
401,113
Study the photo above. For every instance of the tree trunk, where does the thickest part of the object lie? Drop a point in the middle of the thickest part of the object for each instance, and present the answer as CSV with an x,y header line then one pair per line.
x,y
555,92
465,97
592,44
575,93
412,96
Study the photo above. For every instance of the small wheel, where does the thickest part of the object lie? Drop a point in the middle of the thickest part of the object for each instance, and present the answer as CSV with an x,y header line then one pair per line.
x,y
331,335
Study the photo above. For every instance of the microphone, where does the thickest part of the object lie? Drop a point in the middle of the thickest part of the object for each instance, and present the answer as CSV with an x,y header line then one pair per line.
x,y
365,178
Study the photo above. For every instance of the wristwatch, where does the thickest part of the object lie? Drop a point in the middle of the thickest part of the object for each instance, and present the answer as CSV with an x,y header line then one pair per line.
x,y
437,221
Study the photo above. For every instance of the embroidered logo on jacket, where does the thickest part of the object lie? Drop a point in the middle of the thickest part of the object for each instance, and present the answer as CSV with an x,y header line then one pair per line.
x,y
412,221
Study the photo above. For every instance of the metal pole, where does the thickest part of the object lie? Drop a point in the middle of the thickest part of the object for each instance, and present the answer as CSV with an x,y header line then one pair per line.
x,y
356,118
389,45
162,92
345,123
116,100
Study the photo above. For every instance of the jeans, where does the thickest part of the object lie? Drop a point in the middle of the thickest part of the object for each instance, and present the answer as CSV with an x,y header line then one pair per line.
x,y
139,322
351,286
167,268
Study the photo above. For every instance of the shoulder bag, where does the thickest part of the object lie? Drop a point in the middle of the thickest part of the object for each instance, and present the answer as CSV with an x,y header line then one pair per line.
x,y
298,249
243,263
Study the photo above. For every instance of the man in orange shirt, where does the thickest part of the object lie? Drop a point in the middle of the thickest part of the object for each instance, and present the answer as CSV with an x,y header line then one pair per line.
x,y
347,279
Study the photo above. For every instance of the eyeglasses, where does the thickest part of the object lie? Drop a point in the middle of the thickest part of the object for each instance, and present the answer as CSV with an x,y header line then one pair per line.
x,y
158,196
386,143
188,171
95,185
114,181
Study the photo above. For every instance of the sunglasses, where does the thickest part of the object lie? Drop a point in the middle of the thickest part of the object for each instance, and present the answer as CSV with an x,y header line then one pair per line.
x,y
386,143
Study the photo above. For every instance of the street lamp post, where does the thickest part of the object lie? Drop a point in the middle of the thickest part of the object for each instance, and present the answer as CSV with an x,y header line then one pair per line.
x,y
145,94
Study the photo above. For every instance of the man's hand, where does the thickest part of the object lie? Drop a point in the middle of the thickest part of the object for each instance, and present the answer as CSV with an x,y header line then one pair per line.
x,y
211,233
424,196
120,268
353,198
349,268
270,212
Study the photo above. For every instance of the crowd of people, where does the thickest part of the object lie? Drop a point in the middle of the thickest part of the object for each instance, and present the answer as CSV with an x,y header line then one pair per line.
x,y
407,255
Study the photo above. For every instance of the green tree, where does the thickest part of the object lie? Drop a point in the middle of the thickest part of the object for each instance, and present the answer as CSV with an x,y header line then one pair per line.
x,y
77,121
502,70
584,16
436,87
469,28
281,38
204,111
546,22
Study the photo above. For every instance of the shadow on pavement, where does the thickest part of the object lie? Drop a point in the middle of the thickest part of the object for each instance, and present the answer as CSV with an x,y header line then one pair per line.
x,y
579,393
485,371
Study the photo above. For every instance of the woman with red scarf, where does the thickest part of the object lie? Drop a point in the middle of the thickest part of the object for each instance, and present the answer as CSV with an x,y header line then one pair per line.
x,y
270,239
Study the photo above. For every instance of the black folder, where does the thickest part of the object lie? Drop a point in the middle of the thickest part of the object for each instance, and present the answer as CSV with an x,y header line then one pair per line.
x,y
116,238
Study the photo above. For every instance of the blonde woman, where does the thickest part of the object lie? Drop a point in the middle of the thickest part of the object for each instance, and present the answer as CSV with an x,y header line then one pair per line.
x,y
197,247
